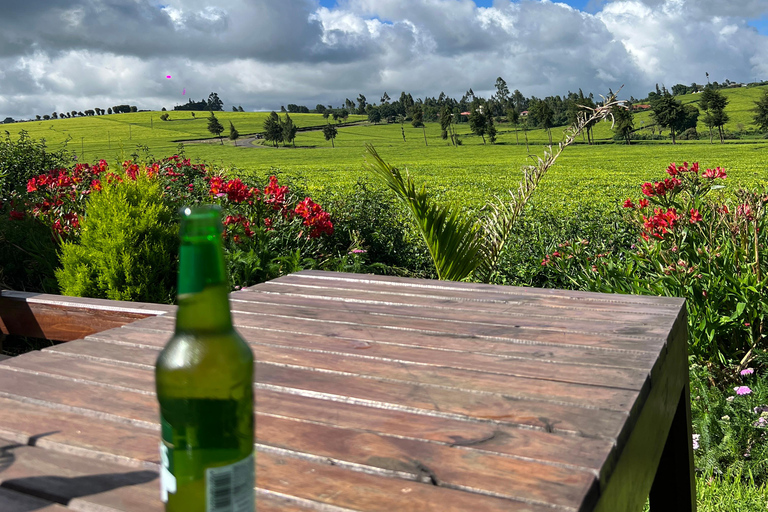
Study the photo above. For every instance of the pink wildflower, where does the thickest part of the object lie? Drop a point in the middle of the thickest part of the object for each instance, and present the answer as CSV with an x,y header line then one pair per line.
x,y
742,390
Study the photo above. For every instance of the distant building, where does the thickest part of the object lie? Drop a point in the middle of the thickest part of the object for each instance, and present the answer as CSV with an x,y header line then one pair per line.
x,y
524,113
641,106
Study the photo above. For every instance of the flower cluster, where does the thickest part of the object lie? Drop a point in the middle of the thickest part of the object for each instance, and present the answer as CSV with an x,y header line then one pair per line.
x,y
660,188
57,197
314,217
660,223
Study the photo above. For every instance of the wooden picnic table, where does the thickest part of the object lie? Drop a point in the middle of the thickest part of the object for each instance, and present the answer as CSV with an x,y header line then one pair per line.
x,y
375,394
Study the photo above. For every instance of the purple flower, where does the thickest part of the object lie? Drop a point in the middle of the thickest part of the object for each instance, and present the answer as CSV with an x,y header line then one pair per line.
x,y
746,371
742,390
696,441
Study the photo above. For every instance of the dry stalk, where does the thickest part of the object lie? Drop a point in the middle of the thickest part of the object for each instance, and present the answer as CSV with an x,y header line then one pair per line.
x,y
499,222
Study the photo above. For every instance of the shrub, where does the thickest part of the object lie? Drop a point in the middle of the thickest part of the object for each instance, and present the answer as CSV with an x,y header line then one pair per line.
x,y
28,257
22,159
711,253
128,246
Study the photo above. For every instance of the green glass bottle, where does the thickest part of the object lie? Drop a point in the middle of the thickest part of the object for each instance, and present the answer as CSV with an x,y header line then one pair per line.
x,y
204,378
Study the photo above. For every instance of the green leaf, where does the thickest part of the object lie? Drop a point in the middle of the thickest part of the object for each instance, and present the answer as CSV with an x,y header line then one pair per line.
x,y
453,240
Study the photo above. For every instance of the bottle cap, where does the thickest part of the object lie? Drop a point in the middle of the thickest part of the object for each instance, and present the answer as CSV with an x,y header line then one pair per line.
x,y
200,223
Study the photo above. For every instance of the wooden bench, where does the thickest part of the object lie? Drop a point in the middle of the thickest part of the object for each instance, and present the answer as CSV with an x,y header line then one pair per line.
x,y
378,394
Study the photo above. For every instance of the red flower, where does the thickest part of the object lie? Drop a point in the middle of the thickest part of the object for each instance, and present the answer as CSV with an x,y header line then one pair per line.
x,y
236,190
628,203
672,170
16,215
217,185
32,185
648,189
695,216
274,194
95,185
643,203
745,210
717,172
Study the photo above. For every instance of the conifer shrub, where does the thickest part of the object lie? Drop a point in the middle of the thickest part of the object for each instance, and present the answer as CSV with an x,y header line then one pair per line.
x,y
128,247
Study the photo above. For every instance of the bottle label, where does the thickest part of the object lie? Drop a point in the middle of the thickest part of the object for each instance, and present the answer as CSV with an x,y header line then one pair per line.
x,y
167,478
230,488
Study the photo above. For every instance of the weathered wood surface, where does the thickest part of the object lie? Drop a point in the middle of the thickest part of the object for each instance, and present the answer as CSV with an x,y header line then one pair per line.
x,y
379,394
60,318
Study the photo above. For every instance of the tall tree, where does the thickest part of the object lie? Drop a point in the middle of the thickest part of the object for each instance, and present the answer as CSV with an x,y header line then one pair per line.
x,y
330,132
761,112
374,114
215,127
289,130
545,116
240,108
361,104
667,112
233,133
385,98
713,102
417,120
234,108
273,131
214,103
490,128
622,122
446,118
477,121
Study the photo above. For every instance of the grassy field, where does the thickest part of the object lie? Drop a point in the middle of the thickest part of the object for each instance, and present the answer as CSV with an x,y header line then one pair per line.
x,y
601,174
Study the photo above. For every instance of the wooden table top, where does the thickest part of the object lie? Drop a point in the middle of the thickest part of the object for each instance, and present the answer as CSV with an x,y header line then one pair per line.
x,y
372,394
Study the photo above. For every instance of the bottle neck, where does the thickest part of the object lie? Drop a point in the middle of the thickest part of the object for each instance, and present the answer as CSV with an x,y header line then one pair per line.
x,y
202,287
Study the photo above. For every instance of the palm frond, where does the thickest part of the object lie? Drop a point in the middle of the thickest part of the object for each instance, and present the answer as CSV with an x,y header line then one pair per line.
x,y
453,240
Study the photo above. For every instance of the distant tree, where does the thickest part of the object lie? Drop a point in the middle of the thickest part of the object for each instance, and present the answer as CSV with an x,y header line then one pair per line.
x,y
761,112
545,116
417,120
320,108
490,128
326,113
55,115
214,103
713,103
240,108
46,117
446,129
193,115
282,108
80,114
477,122
513,116
273,131
8,120
233,133
374,115
234,108
330,132
361,104
215,127
289,130
163,109
667,112
165,116
109,110
38,117
623,123
74,113
134,109
90,112
385,98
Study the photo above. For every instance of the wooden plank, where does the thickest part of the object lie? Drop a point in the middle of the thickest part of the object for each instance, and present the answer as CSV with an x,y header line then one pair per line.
x,y
406,284
82,483
453,467
293,295
410,396
364,329
638,457
85,398
309,482
626,325
528,444
12,501
546,388
68,432
499,439
382,343
61,318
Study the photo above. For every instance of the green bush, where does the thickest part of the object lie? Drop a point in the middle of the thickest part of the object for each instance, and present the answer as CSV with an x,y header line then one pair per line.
x,y
371,219
128,248
24,158
28,258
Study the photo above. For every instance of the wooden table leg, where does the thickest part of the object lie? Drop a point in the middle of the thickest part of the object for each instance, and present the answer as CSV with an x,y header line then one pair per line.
x,y
674,486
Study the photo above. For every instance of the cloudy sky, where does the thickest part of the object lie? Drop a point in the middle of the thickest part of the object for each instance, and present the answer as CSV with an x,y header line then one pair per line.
x,y
62,55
